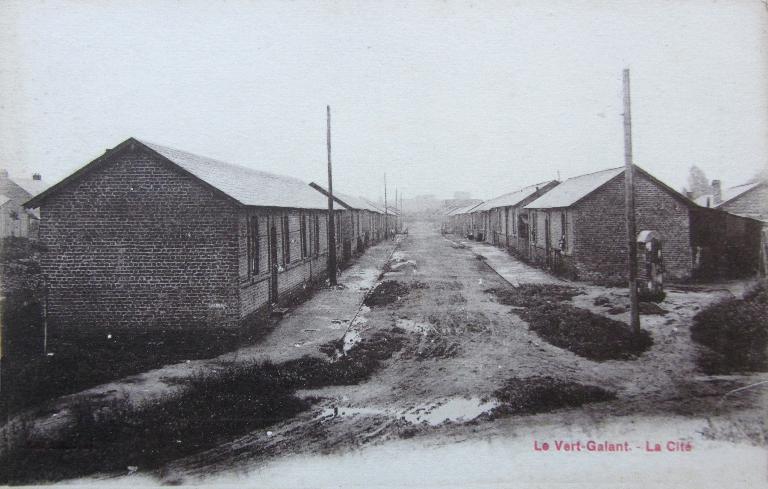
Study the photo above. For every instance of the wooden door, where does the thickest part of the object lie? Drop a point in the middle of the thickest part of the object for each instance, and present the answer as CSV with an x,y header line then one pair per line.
x,y
273,264
547,237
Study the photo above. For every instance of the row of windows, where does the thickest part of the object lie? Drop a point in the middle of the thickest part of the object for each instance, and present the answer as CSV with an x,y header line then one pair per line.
x,y
258,238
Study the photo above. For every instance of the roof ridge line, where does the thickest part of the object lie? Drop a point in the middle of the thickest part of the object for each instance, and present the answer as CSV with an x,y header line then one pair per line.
x,y
222,162
597,171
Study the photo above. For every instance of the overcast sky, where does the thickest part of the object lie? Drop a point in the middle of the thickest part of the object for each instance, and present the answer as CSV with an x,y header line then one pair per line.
x,y
443,96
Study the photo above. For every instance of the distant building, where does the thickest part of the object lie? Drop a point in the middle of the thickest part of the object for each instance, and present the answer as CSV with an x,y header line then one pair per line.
x,y
747,200
362,225
459,219
579,229
15,220
503,220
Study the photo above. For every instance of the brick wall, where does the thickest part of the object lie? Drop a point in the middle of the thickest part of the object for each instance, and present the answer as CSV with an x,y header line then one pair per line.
x,y
294,276
753,203
599,230
137,245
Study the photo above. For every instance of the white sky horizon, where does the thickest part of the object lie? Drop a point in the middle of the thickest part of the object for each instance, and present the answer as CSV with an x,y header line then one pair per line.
x,y
442,96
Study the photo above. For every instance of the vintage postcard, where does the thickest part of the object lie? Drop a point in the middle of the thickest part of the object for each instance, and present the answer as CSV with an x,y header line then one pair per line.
x,y
351,244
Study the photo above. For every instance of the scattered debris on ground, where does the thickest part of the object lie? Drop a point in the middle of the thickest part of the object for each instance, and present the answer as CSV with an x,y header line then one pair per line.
x,y
398,264
620,305
541,394
736,333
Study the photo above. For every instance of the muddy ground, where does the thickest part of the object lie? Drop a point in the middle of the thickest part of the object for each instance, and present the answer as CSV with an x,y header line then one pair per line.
x,y
464,346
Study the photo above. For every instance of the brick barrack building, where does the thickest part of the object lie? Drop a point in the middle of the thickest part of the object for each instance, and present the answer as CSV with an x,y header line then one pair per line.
x,y
149,238
577,228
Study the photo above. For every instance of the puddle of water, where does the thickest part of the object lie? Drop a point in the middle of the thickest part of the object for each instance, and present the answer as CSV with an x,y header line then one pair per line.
x,y
457,410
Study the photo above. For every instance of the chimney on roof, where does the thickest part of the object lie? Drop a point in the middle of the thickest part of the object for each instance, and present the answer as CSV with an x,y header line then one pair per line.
x,y
37,177
3,173
717,192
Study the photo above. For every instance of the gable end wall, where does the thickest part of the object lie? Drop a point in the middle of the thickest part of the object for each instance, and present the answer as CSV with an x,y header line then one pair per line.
x,y
138,245
599,230
753,203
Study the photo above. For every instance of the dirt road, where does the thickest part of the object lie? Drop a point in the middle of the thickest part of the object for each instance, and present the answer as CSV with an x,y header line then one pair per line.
x,y
464,345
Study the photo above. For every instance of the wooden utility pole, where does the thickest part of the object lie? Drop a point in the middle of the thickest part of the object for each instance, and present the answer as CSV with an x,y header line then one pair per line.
x,y
629,204
397,215
331,219
386,210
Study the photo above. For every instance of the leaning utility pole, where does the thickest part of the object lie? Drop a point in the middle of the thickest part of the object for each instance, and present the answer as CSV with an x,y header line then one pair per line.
x,y
331,219
386,211
629,204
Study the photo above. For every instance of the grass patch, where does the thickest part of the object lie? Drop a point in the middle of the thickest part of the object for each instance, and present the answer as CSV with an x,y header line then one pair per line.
x,y
386,293
433,346
736,331
456,320
586,334
578,330
542,394
83,359
31,379
108,439
531,295
212,409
